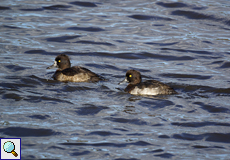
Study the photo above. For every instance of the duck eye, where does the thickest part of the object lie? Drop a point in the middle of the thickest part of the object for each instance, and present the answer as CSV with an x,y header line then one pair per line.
x,y
130,75
59,60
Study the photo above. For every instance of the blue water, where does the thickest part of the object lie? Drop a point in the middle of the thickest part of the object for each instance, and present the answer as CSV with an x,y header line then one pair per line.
x,y
184,44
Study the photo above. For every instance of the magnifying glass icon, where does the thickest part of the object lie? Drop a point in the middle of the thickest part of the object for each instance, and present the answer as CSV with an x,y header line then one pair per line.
x,y
9,147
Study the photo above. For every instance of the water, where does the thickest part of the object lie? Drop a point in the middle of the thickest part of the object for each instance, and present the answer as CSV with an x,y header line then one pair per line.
x,y
184,44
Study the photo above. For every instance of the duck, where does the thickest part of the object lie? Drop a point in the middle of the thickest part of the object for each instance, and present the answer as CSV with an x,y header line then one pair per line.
x,y
148,87
66,73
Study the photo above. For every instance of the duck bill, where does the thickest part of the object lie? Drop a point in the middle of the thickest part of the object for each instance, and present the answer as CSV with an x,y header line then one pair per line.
x,y
125,80
53,66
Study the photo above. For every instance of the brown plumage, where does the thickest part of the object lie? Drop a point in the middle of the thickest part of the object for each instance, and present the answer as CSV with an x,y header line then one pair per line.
x,y
66,73
149,87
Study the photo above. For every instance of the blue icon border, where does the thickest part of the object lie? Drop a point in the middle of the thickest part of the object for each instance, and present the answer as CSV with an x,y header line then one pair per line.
x,y
20,148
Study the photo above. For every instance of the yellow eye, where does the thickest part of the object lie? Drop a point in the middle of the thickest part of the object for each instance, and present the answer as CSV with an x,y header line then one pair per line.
x,y
59,61
130,75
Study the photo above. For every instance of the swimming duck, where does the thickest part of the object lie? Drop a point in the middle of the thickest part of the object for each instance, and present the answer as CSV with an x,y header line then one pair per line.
x,y
149,87
66,73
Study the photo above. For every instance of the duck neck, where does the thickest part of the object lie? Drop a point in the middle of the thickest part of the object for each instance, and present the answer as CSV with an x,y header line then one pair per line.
x,y
136,81
129,88
62,67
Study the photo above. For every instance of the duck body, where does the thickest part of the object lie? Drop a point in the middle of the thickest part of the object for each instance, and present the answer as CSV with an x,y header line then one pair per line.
x,y
149,87
76,74
66,73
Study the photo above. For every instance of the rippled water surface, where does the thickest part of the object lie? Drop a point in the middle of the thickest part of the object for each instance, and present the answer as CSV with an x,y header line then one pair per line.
x,y
184,44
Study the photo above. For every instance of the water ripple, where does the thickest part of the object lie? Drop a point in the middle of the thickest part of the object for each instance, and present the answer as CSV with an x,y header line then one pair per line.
x,y
62,39
200,124
41,117
4,8
199,16
179,5
57,7
84,4
212,137
87,29
103,133
89,109
28,132
146,17
138,143
129,121
212,109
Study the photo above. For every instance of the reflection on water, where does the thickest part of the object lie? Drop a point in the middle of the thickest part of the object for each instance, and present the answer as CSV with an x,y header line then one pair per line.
x,y
183,44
